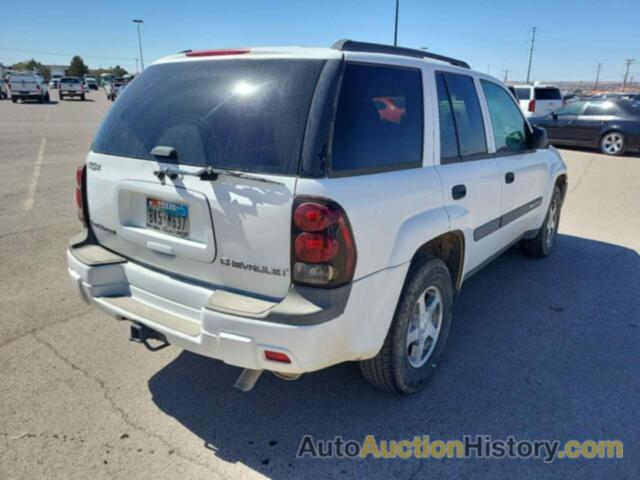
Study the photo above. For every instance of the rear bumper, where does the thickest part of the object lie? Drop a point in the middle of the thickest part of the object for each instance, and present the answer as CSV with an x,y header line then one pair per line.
x,y
237,329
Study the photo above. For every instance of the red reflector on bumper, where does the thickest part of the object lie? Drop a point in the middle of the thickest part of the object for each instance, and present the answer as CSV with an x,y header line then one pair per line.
x,y
276,356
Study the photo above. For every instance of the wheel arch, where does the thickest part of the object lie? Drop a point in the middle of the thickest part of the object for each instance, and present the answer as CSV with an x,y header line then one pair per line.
x,y
450,248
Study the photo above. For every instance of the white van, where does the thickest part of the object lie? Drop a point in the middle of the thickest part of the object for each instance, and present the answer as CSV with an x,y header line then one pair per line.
x,y
537,99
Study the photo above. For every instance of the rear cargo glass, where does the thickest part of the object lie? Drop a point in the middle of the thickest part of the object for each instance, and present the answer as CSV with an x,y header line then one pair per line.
x,y
523,93
236,114
548,94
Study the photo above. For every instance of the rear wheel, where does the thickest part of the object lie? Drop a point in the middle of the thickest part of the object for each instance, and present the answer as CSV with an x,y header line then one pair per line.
x,y
418,332
47,98
61,97
14,99
542,243
613,143
82,97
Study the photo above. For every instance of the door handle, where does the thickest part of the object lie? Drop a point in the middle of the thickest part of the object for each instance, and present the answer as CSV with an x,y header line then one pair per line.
x,y
509,177
458,192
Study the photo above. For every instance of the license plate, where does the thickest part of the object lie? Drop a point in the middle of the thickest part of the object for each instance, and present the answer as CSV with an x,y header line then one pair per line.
x,y
168,217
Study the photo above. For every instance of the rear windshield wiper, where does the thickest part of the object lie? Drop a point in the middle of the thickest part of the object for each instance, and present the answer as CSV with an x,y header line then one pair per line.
x,y
208,174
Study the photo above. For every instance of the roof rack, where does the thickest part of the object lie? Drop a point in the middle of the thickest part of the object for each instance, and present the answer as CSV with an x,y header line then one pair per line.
x,y
353,46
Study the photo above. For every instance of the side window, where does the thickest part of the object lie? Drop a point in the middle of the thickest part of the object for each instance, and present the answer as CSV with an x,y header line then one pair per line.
x,y
509,126
448,139
570,109
379,119
467,114
600,109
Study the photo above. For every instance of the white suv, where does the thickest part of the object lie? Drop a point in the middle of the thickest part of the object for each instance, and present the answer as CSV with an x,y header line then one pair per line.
x,y
28,86
294,208
536,100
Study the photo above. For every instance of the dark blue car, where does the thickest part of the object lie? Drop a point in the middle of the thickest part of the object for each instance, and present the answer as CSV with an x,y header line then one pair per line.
x,y
613,126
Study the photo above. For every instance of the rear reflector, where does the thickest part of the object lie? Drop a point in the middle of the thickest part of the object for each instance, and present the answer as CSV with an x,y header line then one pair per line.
x,y
276,356
217,53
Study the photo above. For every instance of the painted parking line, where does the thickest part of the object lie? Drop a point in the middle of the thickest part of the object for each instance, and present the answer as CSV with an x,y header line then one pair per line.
x,y
33,185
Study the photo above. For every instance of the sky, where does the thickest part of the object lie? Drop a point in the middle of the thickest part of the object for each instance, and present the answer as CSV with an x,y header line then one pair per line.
x,y
572,36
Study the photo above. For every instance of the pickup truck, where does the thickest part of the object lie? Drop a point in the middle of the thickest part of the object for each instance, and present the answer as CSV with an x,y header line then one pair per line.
x,y
71,87
28,86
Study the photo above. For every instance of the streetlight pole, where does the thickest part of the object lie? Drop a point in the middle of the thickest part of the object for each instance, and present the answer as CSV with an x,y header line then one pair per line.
x,y
533,42
395,32
138,22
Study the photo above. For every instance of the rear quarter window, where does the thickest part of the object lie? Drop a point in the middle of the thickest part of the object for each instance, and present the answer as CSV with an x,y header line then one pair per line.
x,y
523,93
379,120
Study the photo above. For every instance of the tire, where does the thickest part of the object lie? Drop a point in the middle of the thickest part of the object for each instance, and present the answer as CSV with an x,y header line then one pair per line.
x,y
47,98
542,244
14,99
613,143
61,97
401,366
82,97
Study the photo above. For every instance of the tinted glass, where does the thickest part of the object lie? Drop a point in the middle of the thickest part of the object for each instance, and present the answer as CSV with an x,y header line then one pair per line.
x,y
571,108
523,93
232,114
509,126
467,114
379,119
548,94
600,109
448,140
70,80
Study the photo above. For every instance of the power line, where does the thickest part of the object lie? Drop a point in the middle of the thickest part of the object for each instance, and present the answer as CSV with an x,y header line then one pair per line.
x,y
628,61
595,87
533,41
64,54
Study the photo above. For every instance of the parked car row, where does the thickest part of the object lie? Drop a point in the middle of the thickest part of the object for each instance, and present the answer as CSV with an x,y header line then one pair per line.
x,y
31,86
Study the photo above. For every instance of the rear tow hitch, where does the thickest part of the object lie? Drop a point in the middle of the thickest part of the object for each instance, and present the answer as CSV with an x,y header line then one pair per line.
x,y
142,334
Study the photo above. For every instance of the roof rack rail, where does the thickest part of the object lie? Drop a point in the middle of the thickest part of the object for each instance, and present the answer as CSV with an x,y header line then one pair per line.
x,y
353,46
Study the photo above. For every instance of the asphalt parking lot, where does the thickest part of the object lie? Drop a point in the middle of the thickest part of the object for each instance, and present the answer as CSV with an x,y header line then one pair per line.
x,y
539,349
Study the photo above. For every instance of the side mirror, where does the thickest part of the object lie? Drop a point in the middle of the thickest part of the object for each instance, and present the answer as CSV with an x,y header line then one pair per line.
x,y
554,115
539,138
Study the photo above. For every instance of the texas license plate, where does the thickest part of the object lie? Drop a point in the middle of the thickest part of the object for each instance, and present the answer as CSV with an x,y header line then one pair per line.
x,y
168,217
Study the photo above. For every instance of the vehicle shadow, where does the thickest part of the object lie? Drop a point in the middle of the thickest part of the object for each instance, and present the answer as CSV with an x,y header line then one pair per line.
x,y
538,349
86,100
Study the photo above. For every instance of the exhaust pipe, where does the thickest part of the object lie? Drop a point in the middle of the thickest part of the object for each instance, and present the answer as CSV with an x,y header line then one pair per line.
x,y
247,379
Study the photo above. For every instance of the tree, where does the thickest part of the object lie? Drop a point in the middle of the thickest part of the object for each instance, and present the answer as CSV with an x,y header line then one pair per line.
x,y
118,71
77,67
32,66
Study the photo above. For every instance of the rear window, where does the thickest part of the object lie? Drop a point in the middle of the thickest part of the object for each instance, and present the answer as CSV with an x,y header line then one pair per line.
x,y
235,114
523,93
548,94
378,122
70,80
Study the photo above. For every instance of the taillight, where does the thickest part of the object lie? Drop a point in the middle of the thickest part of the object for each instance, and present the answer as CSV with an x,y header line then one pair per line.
x,y
323,252
37,87
79,195
532,105
276,356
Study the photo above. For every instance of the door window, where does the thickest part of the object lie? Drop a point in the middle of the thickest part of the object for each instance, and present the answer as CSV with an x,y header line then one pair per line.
x,y
600,109
570,109
509,126
464,107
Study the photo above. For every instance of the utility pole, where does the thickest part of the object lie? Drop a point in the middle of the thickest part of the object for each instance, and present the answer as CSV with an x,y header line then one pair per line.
x,y
533,42
138,22
506,75
395,32
595,87
137,71
628,61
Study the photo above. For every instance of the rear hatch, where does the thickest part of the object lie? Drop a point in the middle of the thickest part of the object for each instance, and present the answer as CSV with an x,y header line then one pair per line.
x,y
71,85
547,99
243,116
24,84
